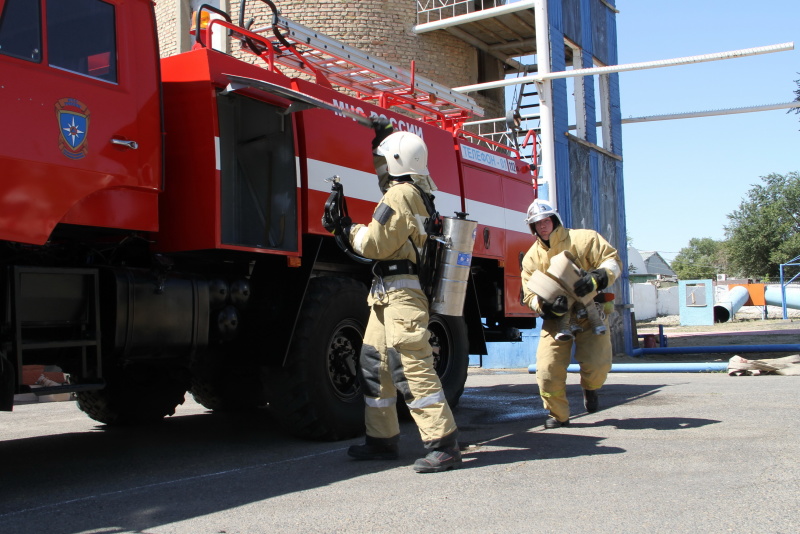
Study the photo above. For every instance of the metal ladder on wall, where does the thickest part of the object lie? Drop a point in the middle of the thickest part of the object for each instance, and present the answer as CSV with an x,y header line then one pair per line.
x,y
331,62
520,128
527,109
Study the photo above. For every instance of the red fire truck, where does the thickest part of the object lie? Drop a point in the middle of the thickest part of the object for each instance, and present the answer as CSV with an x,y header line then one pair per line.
x,y
160,219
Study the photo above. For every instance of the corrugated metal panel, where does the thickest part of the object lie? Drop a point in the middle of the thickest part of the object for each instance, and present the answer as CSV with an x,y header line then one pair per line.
x,y
586,31
573,24
581,185
564,188
595,190
556,15
616,114
599,14
611,28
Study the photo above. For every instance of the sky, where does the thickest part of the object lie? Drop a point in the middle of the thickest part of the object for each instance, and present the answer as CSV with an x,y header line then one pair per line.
x,y
683,177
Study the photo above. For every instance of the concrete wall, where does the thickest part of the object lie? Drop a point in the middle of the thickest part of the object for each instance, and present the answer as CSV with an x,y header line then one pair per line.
x,y
650,302
644,298
667,303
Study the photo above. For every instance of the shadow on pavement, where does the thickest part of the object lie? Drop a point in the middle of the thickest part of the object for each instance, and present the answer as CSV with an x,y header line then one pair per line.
x,y
133,479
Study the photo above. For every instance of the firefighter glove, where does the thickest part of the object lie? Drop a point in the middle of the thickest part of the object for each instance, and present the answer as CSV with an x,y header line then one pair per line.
x,y
383,129
335,227
344,225
328,224
556,309
591,281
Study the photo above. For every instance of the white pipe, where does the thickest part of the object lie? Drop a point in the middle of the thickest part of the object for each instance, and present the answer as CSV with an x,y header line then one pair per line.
x,y
547,168
709,113
475,16
541,76
667,116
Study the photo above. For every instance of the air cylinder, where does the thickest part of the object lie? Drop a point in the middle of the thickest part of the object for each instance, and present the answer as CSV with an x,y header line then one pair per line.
x,y
452,273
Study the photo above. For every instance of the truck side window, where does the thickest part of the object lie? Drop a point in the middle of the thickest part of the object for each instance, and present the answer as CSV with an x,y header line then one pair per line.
x,y
81,37
20,30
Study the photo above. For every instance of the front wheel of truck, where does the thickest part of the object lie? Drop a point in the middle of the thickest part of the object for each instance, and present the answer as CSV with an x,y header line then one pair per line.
x,y
316,394
134,396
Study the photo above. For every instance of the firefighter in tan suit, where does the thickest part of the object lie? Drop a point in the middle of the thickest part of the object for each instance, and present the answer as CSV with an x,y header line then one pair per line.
x,y
601,264
396,355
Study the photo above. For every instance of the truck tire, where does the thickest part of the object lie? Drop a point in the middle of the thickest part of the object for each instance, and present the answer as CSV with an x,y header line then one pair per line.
x,y
317,395
229,388
128,400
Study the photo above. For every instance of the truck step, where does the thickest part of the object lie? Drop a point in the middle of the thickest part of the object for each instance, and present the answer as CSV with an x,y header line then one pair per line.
x,y
68,388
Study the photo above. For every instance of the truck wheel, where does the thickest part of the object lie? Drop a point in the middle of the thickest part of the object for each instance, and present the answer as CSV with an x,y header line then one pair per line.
x,y
229,388
317,394
450,354
128,400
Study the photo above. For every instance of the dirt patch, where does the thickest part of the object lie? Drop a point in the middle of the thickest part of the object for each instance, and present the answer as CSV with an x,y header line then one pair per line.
x,y
747,329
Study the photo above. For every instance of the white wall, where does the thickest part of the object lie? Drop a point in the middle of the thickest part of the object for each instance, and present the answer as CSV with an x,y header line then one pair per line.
x,y
668,301
644,299
650,302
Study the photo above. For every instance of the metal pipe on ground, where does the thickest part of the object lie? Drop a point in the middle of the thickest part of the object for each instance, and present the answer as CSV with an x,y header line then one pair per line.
x,y
737,296
676,367
685,367
772,296
714,349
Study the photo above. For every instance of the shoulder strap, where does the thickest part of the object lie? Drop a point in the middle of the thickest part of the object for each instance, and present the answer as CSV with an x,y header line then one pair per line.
x,y
433,216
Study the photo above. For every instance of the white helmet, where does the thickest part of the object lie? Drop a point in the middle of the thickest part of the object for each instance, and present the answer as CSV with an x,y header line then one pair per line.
x,y
405,153
538,210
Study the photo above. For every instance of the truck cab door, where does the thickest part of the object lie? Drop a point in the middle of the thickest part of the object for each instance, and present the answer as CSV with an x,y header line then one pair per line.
x,y
76,94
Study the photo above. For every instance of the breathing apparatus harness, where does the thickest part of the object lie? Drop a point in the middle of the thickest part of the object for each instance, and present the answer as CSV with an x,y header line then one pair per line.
x,y
428,260
336,216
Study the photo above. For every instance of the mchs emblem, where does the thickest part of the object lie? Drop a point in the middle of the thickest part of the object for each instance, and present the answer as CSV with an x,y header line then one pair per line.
x,y
73,126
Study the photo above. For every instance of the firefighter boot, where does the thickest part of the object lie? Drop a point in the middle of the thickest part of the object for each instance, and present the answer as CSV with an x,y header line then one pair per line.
x,y
375,449
551,423
591,400
438,460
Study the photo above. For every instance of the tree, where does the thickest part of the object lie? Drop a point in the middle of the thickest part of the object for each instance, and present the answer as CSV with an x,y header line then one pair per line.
x,y
796,97
703,258
765,231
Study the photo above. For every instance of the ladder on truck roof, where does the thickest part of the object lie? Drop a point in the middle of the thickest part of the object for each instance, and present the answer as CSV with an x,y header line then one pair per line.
x,y
301,49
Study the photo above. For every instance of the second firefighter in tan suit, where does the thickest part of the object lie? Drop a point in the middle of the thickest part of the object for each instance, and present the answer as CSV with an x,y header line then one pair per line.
x,y
396,354
601,265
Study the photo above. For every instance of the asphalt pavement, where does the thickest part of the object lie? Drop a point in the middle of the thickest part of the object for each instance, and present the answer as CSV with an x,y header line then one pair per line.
x,y
683,452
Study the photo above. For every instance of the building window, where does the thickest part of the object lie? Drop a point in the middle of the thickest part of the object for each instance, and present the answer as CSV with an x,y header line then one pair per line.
x,y
696,295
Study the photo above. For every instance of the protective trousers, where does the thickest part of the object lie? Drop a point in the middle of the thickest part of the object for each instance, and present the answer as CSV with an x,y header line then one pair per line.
x,y
396,356
592,352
